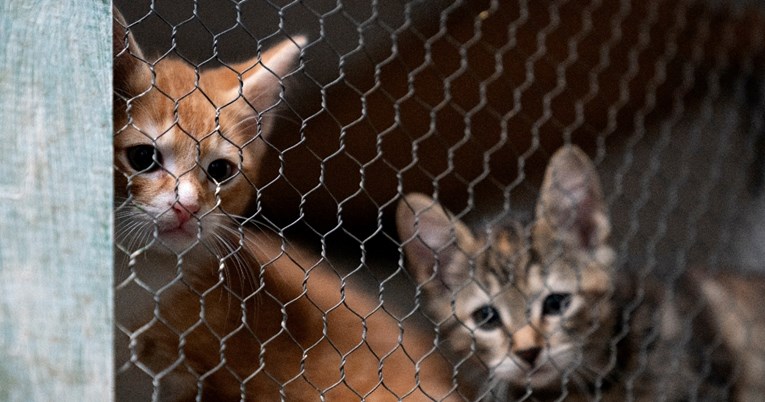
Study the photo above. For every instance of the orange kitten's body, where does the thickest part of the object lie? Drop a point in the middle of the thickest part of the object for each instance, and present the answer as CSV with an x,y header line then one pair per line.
x,y
273,354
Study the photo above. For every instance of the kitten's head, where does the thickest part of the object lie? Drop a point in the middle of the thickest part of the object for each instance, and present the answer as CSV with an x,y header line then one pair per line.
x,y
188,142
532,304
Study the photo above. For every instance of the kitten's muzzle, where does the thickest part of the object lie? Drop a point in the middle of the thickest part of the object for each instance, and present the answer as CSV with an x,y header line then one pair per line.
x,y
527,344
184,212
529,355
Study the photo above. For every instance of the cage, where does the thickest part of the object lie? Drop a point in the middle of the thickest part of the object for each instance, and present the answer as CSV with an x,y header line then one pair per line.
x,y
368,103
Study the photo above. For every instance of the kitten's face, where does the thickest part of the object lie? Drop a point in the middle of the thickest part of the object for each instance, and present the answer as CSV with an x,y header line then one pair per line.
x,y
533,319
187,147
534,305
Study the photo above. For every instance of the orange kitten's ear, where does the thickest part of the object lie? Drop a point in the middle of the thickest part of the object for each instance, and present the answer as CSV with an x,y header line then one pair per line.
x,y
261,83
434,241
129,68
571,207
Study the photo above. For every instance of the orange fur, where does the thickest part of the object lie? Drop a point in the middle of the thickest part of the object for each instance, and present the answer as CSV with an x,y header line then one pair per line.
x,y
288,331
191,114
272,326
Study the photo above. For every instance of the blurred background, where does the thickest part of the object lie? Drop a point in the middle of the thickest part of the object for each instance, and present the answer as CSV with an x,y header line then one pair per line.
x,y
467,100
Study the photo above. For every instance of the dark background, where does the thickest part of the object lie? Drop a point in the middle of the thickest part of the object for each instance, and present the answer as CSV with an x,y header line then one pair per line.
x,y
467,100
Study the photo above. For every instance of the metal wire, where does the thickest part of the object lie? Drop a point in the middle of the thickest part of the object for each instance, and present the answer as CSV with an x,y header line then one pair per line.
x,y
466,101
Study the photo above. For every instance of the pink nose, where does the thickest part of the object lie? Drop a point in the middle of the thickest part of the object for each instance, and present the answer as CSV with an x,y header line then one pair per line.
x,y
184,211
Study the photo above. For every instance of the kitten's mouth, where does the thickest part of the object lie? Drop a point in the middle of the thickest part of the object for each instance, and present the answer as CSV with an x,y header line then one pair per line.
x,y
181,231
540,376
179,237
178,231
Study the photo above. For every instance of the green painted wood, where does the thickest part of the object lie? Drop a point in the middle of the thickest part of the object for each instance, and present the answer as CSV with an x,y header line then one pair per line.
x,y
55,201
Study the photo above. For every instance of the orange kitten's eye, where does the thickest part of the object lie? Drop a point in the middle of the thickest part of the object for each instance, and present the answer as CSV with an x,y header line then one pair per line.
x,y
220,170
144,158
556,303
487,317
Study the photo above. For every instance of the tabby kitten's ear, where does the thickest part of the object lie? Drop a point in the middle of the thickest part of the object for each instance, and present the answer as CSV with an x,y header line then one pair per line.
x,y
435,242
571,210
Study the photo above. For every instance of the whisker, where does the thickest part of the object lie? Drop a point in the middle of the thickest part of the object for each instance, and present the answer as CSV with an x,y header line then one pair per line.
x,y
233,262
132,232
246,120
286,117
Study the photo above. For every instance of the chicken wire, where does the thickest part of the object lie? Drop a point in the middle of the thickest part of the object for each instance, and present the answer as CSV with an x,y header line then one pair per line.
x,y
466,101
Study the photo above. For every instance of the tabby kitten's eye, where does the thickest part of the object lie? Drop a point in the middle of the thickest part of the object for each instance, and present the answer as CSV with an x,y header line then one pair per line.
x,y
141,158
487,317
220,170
556,303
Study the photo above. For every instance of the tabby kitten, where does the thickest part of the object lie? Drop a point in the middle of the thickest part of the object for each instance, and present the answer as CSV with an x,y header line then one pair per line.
x,y
544,314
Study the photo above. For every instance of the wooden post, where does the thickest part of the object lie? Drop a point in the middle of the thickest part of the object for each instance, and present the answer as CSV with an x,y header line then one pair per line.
x,y
55,201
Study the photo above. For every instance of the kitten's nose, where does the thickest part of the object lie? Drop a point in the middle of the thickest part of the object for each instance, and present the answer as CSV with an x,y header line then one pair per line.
x,y
529,355
184,211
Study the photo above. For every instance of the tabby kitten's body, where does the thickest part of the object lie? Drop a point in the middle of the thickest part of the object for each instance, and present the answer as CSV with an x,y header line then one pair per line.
x,y
544,313
208,308
736,300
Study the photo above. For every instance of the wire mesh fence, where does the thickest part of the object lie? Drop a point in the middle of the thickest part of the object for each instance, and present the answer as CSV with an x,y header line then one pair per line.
x,y
592,228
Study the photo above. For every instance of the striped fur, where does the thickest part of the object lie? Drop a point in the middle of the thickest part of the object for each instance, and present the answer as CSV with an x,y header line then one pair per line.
x,y
566,323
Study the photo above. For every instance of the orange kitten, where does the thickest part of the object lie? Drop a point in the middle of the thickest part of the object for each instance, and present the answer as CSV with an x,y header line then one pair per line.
x,y
188,143
207,308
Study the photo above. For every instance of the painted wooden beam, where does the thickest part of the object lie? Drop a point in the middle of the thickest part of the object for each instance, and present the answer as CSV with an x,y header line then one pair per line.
x,y
55,201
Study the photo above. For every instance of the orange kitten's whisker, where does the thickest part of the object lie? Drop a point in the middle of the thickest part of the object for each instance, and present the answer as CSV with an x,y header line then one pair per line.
x,y
124,231
236,251
286,117
239,124
129,214
232,254
233,260
252,222
132,233
144,239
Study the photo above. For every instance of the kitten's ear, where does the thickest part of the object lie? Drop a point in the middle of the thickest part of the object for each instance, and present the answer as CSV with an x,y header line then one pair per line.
x,y
571,209
434,241
262,76
129,67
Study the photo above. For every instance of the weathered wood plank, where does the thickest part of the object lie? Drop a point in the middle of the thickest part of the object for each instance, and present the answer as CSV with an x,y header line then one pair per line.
x,y
55,201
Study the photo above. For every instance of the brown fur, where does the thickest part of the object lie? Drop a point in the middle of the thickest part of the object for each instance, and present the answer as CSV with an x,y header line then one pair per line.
x,y
736,300
620,337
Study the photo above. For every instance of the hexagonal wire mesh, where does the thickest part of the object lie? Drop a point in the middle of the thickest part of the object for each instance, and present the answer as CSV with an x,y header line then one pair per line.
x,y
270,243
